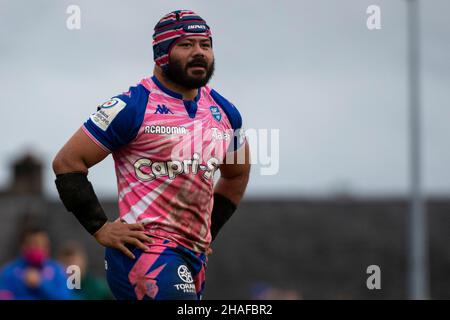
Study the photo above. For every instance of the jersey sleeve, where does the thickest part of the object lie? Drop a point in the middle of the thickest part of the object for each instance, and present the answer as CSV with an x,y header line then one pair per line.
x,y
117,121
235,119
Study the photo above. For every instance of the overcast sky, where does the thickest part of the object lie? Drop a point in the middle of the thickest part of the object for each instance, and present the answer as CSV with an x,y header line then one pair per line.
x,y
336,91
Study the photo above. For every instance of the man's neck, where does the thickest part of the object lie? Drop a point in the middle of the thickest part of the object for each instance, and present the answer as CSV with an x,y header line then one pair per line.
x,y
188,94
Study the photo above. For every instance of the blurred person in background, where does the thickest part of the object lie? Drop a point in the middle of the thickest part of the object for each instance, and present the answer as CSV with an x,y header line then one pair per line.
x,y
265,291
33,275
170,208
92,287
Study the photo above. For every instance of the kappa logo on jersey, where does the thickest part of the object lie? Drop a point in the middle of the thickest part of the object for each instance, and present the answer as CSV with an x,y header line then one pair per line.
x,y
107,112
215,112
162,109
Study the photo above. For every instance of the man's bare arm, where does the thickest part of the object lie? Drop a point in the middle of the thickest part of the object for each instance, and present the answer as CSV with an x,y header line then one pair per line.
x,y
78,155
230,189
234,177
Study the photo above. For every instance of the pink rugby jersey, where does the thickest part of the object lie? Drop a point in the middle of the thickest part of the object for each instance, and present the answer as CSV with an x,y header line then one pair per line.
x,y
166,151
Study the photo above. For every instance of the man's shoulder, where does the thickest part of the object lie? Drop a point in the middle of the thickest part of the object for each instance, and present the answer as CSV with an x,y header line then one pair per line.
x,y
128,106
219,98
117,121
136,95
228,107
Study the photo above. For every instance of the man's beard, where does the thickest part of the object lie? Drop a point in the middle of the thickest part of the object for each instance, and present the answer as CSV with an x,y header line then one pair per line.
x,y
179,75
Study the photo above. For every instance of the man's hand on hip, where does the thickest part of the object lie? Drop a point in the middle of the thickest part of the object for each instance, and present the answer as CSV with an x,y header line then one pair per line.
x,y
116,234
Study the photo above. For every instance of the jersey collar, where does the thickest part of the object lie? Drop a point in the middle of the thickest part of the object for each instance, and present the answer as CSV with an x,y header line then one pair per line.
x,y
172,93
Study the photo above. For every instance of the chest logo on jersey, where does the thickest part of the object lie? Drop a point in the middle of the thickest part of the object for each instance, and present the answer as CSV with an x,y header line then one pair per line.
x,y
148,170
162,109
215,112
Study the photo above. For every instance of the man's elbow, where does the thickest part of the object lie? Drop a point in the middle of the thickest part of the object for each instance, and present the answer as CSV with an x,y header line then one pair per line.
x,y
63,164
59,164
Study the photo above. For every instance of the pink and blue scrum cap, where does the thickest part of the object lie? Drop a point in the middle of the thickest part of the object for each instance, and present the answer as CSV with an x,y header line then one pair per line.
x,y
173,27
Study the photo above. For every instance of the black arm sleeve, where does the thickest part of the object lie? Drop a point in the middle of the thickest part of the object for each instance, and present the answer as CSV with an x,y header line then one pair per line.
x,y
78,196
222,210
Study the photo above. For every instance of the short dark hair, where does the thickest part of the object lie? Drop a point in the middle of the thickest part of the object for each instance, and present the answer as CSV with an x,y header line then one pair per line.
x,y
31,231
